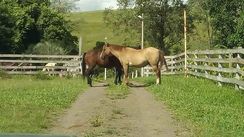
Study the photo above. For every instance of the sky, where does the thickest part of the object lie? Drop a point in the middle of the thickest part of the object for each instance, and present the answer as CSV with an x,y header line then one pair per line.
x,y
91,5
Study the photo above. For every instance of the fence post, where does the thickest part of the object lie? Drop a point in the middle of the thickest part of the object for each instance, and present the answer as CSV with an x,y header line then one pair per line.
x,y
132,75
172,65
219,74
230,63
237,76
195,63
206,64
105,73
147,71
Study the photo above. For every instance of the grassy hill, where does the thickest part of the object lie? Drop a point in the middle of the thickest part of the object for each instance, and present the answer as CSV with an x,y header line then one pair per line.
x,y
91,27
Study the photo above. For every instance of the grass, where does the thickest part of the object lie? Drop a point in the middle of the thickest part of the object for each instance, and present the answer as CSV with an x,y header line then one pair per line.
x,y
91,27
29,105
97,121
208,110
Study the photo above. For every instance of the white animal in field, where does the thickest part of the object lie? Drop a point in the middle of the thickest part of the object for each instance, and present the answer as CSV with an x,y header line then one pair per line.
x,y
49,67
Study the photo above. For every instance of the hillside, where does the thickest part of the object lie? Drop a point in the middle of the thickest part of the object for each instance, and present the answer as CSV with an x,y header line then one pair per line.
x,y
91,27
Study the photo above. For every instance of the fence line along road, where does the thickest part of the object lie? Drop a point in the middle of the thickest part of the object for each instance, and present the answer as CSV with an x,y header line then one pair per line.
x,y
33,64
221,65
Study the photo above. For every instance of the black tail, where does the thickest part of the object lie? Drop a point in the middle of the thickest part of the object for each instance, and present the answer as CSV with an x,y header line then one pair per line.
x,y
84,65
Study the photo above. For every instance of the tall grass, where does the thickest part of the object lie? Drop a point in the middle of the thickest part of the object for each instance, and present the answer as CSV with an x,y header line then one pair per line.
x,y
209,110
29,105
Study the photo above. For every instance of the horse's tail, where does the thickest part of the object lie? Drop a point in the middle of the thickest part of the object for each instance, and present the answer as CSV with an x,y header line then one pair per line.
x,y
163,60
83,65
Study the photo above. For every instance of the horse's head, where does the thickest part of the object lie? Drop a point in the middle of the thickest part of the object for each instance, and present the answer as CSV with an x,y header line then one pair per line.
x,y
105,51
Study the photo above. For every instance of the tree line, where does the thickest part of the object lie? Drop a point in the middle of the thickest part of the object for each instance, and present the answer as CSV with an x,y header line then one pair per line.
x,y
223,21
36,26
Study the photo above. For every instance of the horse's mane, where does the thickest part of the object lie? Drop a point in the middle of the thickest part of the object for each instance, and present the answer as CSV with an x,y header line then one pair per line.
x,y
116,47
119,47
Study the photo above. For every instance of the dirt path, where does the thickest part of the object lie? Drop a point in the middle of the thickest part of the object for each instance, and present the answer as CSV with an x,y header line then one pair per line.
x,y
95,114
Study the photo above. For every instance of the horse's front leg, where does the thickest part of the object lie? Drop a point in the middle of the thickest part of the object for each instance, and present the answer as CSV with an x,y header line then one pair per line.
x,y
120,73
126,67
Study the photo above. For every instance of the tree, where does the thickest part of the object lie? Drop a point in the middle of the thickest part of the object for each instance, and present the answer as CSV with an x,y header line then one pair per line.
x,y
227,20
124,22
6,31
52,26
34,22
163,20
200,12
63,5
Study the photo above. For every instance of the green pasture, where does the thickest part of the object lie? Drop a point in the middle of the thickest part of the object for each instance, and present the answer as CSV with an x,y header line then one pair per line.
x,y
206,109
29,105
91,27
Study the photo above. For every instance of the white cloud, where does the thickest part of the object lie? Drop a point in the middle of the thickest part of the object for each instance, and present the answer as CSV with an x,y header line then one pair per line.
x,y
91,5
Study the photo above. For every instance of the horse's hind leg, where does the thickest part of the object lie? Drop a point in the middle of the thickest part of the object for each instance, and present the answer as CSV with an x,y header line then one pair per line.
x,y
157,70
126,67
89,80
89,77
118,73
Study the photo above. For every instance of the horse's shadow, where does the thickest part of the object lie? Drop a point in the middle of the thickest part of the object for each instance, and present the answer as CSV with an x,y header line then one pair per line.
x,y
137,85
101,85
132,85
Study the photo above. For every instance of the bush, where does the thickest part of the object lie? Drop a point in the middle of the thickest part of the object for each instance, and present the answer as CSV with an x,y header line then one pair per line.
x,y
46,48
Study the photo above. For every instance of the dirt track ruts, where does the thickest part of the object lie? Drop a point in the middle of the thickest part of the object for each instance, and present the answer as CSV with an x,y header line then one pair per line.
x,y
138,115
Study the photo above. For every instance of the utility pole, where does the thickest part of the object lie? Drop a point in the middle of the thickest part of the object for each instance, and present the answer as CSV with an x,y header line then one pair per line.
x,y
105,69
80,45
142,38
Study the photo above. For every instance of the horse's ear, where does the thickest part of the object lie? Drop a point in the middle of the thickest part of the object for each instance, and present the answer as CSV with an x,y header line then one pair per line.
x,y
106,45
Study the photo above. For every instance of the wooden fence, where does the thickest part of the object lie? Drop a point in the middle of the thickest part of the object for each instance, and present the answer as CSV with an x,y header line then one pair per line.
x,y
222,65
33,64
175,66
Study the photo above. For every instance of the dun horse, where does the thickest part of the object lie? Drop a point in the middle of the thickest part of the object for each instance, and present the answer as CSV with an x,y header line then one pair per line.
x,y
91,60
137,58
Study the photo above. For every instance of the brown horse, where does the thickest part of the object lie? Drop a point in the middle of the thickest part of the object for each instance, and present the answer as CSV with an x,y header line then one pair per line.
x,y
91,60
137,58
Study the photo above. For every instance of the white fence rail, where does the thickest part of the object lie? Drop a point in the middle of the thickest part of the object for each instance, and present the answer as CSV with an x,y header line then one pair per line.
x,y
33,64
